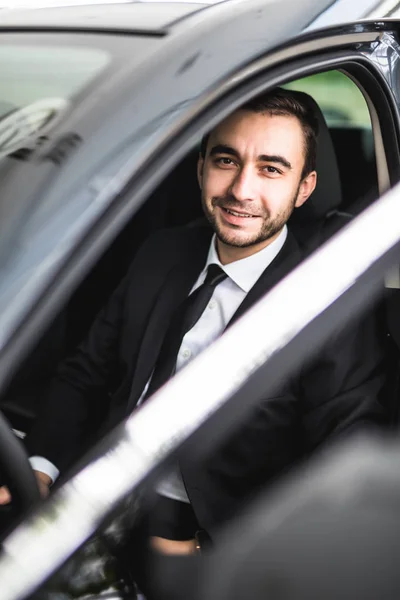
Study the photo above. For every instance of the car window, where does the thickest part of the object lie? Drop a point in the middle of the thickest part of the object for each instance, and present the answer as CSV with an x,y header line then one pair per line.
x,y
347,116
340,99
37,84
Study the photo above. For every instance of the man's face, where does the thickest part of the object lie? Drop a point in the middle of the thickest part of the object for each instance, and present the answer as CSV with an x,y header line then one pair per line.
x,y
251,178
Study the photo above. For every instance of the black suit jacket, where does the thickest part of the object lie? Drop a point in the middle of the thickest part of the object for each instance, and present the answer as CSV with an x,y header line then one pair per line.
x,y
338,391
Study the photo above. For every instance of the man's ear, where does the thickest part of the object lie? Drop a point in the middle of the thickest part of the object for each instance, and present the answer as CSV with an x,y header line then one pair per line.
x,y
200,167
307,186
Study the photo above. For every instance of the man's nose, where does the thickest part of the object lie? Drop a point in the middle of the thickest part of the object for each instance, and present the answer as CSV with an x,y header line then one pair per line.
x,y
243,185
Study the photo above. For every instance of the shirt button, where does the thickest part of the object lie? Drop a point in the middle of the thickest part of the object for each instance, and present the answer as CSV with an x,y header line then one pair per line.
x,y
186,353
212,304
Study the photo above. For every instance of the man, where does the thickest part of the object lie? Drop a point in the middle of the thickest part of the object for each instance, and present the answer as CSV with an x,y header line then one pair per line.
x,y
255,168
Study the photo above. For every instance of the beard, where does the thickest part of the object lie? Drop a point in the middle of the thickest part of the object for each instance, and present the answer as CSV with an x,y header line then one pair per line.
x,y
234,236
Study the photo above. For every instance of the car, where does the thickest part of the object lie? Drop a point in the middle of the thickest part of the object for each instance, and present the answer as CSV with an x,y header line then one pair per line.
x,y
101,116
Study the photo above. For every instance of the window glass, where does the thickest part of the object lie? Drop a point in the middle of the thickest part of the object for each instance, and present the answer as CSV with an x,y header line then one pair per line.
x,y
48,199
36,85
338,96
347,116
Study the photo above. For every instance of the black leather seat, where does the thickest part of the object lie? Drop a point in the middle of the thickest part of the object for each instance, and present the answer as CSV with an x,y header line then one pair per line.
x,y
320,216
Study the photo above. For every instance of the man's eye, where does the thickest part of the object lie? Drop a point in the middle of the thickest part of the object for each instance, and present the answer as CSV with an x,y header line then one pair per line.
x,y
224,161
272,170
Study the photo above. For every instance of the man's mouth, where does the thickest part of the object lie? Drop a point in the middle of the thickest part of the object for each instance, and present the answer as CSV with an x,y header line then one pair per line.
x,y
238,214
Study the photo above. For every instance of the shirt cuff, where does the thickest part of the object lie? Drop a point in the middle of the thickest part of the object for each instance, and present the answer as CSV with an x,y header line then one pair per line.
x,y
38,463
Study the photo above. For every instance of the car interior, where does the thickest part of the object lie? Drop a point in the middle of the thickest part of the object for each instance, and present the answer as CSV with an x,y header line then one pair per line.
x,y
347,183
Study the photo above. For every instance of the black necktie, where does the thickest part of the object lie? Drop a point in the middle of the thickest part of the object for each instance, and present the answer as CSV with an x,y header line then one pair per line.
x,y
187,315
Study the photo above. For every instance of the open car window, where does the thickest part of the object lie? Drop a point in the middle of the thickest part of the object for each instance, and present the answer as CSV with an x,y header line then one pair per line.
x,y
339,98
349,121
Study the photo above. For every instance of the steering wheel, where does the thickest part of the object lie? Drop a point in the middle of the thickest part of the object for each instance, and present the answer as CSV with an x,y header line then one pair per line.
x,y
16,470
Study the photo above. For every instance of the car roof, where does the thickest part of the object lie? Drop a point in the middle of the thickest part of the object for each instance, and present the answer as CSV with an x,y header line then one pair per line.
x,y
156,16
136,16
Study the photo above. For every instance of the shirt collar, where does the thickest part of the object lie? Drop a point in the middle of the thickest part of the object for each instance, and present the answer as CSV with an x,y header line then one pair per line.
x,y
246,271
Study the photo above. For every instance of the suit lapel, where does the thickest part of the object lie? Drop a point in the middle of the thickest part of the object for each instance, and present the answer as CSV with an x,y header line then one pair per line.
x,y
176,286
283,263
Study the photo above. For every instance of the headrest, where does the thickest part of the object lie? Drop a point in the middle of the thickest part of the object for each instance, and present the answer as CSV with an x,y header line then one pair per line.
x,y
327,196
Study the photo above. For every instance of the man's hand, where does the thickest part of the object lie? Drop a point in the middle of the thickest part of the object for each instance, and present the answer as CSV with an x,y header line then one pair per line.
x,y
44,482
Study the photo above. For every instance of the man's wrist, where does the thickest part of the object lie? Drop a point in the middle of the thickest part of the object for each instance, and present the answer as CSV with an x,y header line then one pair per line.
x,y
44,478
42,465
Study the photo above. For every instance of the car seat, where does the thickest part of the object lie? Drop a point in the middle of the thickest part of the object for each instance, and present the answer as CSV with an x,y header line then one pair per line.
x,y
320,217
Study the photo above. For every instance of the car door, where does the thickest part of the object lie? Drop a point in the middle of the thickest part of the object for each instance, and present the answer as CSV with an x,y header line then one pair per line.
x,y
364,53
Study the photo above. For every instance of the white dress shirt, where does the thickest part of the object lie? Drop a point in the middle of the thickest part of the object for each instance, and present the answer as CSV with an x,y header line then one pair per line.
x,y
226,299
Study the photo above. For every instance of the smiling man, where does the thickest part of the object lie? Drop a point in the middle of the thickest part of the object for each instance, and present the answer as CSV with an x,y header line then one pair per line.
x,y
255,168
184,288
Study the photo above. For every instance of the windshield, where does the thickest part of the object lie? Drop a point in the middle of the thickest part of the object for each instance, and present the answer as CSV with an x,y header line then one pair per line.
x,y
38,84
51,85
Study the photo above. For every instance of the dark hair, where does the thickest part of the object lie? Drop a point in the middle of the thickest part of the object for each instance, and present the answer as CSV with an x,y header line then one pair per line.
x,y
282,102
